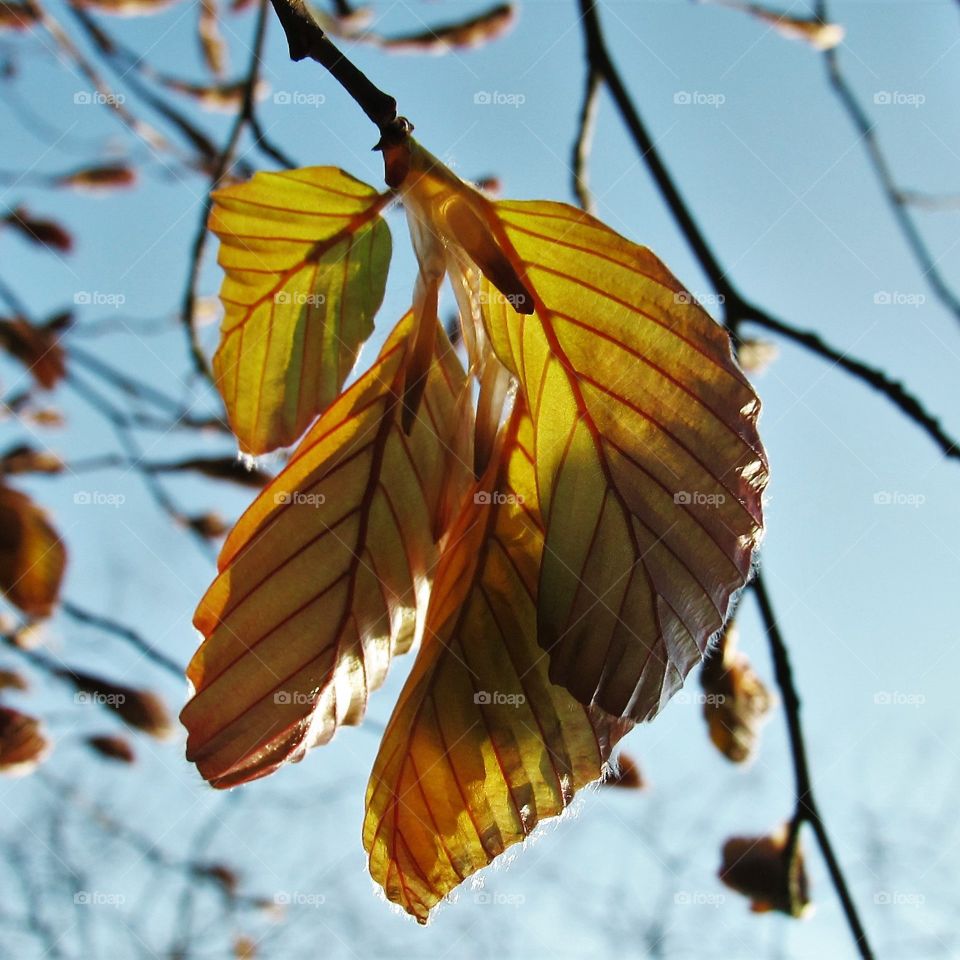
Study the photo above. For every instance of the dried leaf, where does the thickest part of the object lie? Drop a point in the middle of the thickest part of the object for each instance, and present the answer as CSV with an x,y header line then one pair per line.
x,y
126,8
218,468
625,774
112,747
319,581
99,179
736,703
141,709
758,868
209,525
23,743
27,459
212,45
11,680
18,16
224,97
245,948
306,255
474,32
226,877
32,556
820,35
756,355
37,348
45,233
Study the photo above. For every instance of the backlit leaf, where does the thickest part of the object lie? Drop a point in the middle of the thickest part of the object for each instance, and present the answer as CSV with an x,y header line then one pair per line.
x,y
306,255
649,467
32,556
319,581
481,746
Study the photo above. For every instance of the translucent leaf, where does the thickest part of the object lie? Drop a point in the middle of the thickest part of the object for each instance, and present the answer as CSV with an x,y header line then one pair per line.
x,y
481,746
320,580
649,467
306,255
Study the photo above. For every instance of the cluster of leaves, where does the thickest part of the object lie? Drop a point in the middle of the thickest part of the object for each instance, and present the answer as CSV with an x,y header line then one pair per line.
x,y
560,524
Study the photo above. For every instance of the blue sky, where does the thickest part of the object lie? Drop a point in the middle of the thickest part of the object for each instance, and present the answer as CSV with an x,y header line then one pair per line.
x,y
866,590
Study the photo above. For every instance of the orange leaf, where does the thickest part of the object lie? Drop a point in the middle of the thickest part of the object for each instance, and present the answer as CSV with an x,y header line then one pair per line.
x,y
306,255
649,466
481,746
32,556
319,581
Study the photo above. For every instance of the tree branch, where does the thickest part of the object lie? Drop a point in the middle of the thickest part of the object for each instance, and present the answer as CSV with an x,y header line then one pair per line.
x,y
806,810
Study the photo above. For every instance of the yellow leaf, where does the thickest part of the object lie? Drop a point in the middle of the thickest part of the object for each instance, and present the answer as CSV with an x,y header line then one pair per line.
x,y
481,746
649,467
306,254
320,580
32,556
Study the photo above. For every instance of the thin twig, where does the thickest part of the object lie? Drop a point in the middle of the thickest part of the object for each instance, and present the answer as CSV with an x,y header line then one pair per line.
x,y
881,168
892,389
125,633
806,810
219,168
736,307
586,124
